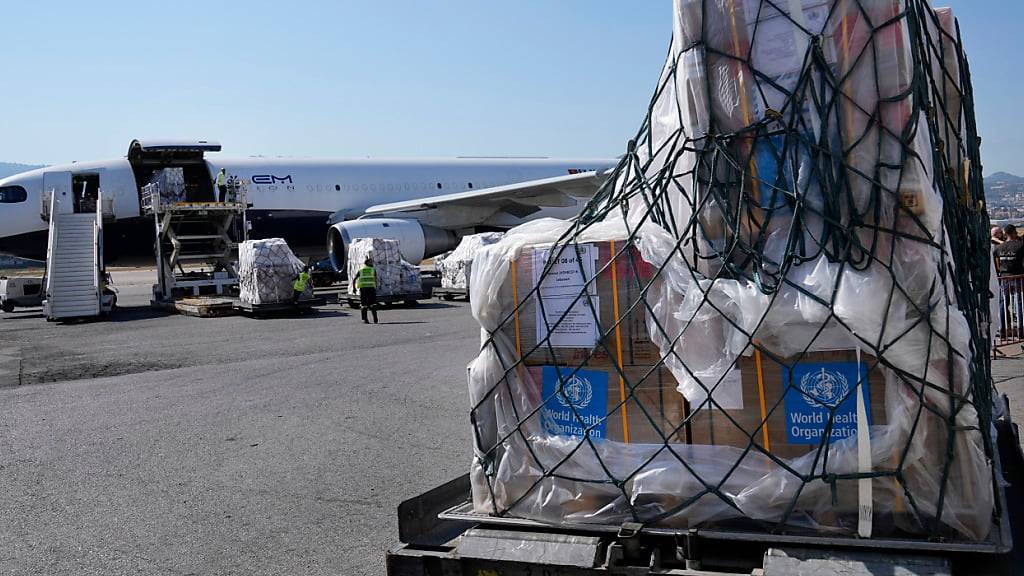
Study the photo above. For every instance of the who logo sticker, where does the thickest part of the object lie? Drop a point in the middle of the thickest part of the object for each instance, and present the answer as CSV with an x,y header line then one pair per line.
x,y
814,390
585,393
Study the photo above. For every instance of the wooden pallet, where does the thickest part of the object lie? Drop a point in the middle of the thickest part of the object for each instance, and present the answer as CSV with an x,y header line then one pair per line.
x,y
202,307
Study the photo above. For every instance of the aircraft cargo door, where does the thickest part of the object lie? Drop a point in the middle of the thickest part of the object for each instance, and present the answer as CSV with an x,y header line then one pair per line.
x,y
59,184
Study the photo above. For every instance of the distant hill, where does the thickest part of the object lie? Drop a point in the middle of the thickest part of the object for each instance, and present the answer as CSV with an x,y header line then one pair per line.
x,y
1005,177
9,168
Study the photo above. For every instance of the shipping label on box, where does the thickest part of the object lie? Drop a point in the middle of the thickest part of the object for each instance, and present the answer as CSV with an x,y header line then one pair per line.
x,y
565,317
571,271
587,310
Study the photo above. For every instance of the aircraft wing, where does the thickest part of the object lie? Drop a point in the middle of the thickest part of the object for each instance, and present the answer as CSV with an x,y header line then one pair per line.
x,y
476,207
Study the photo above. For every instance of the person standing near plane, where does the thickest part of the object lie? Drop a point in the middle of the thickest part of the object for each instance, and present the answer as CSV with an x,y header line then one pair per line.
x,y
299,287
222,185
366,283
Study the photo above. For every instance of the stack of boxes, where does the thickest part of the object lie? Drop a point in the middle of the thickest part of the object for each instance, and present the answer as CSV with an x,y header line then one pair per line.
x,y
395,277
585,327
169,184
455,267
267,270
794,183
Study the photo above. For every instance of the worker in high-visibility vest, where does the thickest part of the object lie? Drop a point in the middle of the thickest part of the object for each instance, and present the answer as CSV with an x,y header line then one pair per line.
x,y
222,185
366,283
299,287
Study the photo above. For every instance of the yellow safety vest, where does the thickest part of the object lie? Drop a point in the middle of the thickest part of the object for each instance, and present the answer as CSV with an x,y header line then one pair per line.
x,y
300,283
220,178
367,277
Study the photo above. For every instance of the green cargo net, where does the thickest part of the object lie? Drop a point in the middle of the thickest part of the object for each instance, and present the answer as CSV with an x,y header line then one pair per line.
x,y
775,311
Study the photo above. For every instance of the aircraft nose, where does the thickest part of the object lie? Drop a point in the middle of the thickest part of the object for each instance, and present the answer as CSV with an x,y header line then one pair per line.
x,y
22,232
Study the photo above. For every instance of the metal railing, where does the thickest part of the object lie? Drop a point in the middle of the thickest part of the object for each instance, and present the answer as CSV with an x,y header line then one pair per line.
x,y
98,249
1010,322
50,204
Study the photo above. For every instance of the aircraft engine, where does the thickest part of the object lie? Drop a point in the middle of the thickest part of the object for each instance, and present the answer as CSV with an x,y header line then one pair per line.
x,y
416,241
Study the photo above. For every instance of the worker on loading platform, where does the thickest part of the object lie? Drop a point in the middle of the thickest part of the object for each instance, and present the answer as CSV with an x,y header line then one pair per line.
x,y
366,283
222,186
299,287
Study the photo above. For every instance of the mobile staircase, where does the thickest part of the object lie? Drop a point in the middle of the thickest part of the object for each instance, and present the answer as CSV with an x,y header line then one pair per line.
x,y
75,282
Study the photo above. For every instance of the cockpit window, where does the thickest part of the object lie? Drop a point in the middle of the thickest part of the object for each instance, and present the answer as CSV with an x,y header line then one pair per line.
x,y
12,194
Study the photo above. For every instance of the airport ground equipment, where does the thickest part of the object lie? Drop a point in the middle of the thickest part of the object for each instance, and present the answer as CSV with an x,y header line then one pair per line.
x,y
23,292
323,273
440,534
198,235
76,280
304,306
449,294
218,306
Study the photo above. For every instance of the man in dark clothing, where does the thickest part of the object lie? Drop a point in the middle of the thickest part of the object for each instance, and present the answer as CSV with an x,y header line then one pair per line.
x,y
1010,254
1009,257
222,186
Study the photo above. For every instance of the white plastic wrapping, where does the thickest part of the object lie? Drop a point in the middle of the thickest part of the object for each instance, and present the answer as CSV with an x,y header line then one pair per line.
x,y
394,275
168,184
888,289
267,270
455,266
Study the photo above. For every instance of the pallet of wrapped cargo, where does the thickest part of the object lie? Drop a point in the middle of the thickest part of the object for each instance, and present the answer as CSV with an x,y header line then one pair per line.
x,y
267,270
397,280
773,317
169,184
454,267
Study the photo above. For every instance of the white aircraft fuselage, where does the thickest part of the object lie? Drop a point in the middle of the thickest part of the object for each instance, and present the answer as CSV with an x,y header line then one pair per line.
x,y
289,198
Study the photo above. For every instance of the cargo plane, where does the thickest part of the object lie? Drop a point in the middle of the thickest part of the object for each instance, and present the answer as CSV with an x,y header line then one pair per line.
x,y
426,204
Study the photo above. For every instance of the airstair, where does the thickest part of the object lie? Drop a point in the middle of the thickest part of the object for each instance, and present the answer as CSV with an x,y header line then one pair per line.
x,y
75,283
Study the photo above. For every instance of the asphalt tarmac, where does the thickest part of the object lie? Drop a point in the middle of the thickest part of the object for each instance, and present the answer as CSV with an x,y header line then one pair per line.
x,y
165,444
156,443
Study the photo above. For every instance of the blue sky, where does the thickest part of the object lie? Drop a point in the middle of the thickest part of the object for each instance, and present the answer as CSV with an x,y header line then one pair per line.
x,y
394,78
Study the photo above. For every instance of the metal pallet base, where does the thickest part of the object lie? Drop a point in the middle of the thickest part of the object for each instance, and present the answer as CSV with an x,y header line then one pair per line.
x,y
999,541
451,293
277,307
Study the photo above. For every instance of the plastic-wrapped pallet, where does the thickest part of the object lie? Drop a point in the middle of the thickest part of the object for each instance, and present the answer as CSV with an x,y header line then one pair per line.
x,y
267,270
773,314
409,279
170,184
395,276
454,267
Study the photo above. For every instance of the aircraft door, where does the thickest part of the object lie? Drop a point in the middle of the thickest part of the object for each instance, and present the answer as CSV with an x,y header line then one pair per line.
x,y
58,186
86,189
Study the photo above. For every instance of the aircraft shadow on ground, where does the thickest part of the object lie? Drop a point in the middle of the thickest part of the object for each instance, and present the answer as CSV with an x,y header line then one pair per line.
x,y
315,314
419,306
404,322
131,313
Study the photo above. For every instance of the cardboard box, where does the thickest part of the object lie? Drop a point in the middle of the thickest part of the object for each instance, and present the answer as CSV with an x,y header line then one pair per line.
x,y
794,399
640,406
599,329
